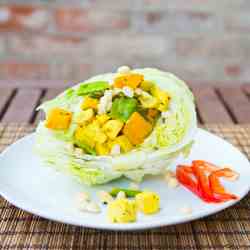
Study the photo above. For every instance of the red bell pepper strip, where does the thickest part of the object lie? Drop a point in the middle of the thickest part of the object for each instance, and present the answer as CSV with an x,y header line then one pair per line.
x,y
205,165
184,175
228,174
187,168
226,197
187,178
218,190
215,184
203,184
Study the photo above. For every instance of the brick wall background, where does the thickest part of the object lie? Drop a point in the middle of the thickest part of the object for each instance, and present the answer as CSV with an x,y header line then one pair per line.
x,y
199,40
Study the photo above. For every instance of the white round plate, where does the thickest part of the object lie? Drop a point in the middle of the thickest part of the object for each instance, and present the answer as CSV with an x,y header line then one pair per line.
x,y
26,182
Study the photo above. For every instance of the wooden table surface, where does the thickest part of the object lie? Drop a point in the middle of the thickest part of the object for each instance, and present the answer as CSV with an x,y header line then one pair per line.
x,y
224,104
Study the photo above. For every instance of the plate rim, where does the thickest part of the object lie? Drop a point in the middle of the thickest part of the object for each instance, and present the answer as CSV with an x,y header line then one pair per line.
x,y
118,226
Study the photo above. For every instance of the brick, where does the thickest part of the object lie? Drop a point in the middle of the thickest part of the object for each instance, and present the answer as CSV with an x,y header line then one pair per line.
x,y
154,17
232,70
42,45
21,17
70,71
194,71
2,44
177,22
228,46
238,70
200,69
12,69
193,5
82,20
128,46
71,20
113,4
237,22
209,70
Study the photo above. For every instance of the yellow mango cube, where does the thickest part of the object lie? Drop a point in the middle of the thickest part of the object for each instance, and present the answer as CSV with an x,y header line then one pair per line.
x,y
84,116
146,85
58,119
82,134
148,101
148,202
89,102
124,143
112,128
101,149
90,134
102,118
122,211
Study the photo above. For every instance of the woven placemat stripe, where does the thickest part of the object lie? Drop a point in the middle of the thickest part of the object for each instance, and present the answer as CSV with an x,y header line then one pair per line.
x,y
229,229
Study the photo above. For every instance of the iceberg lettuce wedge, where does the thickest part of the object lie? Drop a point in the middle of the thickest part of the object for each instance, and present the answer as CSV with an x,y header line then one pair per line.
x,y
172,136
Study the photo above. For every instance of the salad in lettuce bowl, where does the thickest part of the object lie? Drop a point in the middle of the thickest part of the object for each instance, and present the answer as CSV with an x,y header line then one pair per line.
x,y
130,123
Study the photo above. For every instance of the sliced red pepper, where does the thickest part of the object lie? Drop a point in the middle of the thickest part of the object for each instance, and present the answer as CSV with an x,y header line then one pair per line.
x,y
218,190
226,197
186,177
228,174
215,184
187,168
205,165
203,183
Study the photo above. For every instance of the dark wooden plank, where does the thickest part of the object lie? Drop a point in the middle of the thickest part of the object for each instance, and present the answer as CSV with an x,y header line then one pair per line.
x,y
5,96
49,94
37,83
210,107
22,107
237,102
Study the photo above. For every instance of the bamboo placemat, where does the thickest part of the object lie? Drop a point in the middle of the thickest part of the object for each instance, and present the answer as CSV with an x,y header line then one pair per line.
x,y
229,229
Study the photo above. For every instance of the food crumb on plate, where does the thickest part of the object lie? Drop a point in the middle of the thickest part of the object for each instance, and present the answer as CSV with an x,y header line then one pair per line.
x,y
89,206
173,182
92,207
81,197
105,197
169,174
186,210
